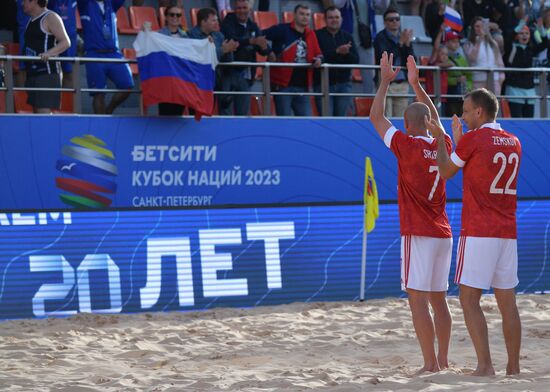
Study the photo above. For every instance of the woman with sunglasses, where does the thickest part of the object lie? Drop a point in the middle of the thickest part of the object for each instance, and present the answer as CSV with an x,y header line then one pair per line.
x,y
173,13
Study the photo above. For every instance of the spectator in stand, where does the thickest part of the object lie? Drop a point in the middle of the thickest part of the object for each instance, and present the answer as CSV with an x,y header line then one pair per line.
x,y
434,17
294,43
458,82
399,43
2,72
542,31
439,58
101,41
22,20
482,51
66,9
208,26
521,84
173,14
469,9
239,27
45,36
338,47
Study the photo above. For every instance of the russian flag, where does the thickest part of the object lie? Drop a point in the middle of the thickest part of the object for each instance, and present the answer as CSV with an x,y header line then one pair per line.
x,y
453,19
177,70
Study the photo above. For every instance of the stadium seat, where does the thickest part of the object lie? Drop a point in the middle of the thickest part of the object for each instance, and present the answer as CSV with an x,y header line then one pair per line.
x,y
13,49
288,17
314,110
505,108
319,20
78,21
67,103
162,18
21,105
2,102
194,12
130,54
140,15
265,19
424,60
356,75
123,23
257,106
362,106
415,23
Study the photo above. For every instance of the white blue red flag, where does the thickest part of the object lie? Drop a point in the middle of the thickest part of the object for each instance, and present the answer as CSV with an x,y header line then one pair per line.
x,y
177,70
453,19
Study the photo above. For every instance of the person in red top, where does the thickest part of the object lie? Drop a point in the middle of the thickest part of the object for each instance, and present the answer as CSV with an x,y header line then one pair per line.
x,y
487,251
426,238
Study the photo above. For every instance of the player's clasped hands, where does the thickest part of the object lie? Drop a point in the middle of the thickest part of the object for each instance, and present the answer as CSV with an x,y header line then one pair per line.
x,y
387,73
434,127
456,126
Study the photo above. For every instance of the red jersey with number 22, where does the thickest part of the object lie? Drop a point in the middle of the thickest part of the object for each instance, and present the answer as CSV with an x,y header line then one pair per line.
x,y
490,157
420,188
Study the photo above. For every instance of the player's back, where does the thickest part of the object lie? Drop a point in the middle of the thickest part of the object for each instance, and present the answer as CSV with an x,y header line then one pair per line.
x,y
491,158
421,190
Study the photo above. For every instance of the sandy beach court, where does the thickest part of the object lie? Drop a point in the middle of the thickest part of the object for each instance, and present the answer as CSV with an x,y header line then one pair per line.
x,y
340,346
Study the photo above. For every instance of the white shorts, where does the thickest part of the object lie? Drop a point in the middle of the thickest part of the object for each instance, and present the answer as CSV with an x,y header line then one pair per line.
x,y
483,262
425,263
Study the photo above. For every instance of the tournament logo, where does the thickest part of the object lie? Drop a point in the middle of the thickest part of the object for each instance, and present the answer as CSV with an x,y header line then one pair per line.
x,y
87,172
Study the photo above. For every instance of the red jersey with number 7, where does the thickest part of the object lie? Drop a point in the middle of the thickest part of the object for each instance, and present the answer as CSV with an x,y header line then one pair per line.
x,y
490,157
420,188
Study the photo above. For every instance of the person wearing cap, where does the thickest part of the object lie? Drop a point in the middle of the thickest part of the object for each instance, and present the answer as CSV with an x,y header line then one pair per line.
x,y
458,82
520,85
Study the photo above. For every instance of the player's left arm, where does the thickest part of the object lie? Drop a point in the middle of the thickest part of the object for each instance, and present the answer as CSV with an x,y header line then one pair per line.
x,y
447,168
387,74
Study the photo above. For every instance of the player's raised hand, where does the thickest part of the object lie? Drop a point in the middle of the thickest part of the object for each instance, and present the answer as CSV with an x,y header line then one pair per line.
x,y
387,72
456,126
412,71
434,127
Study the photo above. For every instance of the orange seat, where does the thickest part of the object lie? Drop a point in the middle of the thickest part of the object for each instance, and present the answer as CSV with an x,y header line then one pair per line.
x,y
424,60
288,17
21,105
130,54
362,106
2,102
505,108
67,103
265,19
78,21
162,18
194,12
13,49
139,15
123,23
356,75
319,20
314,110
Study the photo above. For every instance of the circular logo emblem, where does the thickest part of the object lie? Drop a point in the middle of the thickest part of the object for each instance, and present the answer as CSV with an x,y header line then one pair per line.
x,y
87,173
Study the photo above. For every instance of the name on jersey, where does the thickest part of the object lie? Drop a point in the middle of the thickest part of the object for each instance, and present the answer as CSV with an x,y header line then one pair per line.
x,y
430,154
503,141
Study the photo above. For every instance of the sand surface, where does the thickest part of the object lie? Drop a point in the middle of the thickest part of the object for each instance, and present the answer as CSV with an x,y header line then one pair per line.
x,y
341,346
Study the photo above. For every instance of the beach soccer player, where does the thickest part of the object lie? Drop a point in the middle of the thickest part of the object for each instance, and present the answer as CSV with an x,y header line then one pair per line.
x,y
487,249
426,238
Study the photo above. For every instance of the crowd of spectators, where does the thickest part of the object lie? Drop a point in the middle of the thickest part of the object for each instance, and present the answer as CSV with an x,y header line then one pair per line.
x,y
497,33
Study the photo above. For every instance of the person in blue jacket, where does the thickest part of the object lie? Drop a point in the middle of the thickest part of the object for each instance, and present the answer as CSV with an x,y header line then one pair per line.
x,y
101,41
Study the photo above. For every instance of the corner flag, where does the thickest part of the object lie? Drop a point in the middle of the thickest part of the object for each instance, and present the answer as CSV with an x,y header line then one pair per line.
x,y
370,197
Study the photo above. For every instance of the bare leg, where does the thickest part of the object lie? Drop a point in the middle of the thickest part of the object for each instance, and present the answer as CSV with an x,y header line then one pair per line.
x,y
477,328
424,328
117,99
99,103
511,327
443,322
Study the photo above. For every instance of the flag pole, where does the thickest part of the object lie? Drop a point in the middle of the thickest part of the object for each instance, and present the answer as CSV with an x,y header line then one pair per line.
x,y
363,257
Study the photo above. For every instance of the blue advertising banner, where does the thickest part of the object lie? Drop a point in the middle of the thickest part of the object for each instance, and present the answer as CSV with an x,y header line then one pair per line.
x,y
60,264
58,163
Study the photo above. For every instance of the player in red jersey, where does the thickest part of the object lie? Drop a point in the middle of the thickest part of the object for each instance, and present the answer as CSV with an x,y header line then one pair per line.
x,y
487,251
426,239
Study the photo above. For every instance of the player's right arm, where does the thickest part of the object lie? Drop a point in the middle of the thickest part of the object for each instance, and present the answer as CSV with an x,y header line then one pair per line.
x,y
387,74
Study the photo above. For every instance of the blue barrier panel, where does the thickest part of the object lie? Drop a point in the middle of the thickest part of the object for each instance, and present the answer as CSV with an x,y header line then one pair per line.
x,y
56,162
59,264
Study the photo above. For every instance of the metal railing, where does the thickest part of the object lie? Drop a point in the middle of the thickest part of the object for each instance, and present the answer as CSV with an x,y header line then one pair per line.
x,y
266,92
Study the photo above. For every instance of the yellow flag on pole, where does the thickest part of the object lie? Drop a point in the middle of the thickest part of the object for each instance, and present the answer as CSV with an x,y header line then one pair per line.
x,y
370,197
